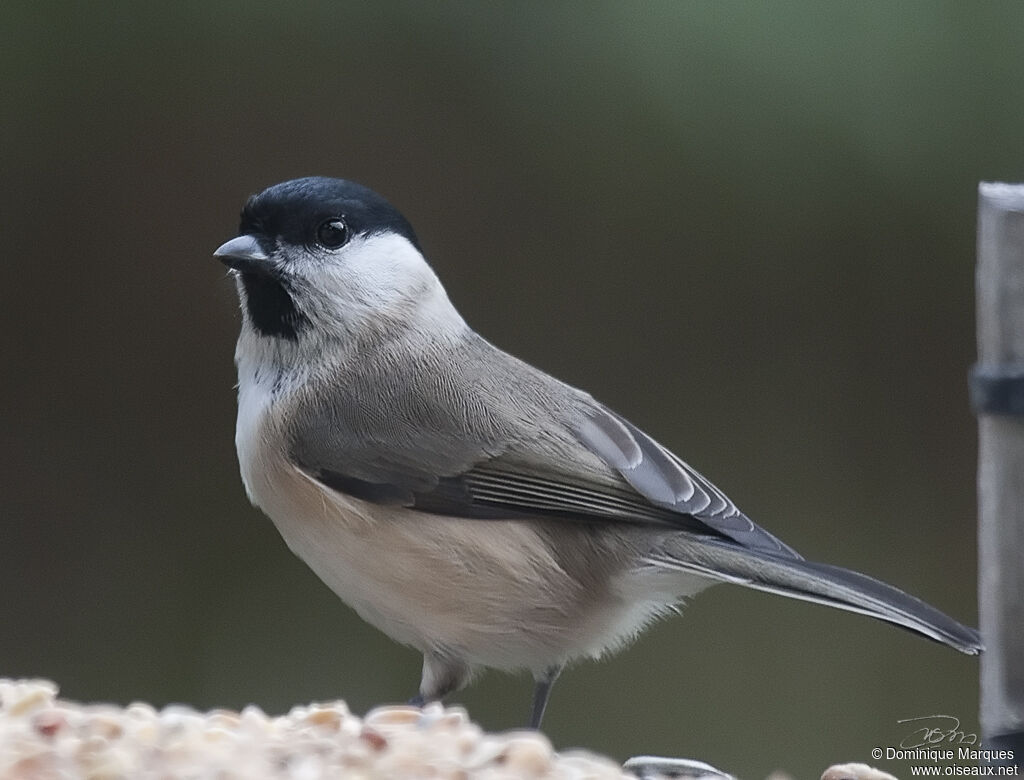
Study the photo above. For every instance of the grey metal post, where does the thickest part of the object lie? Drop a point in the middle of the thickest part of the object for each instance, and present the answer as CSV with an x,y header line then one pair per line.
x,y
997,392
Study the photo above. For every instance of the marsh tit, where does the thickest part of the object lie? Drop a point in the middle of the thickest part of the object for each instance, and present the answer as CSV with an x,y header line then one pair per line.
x,y
460,500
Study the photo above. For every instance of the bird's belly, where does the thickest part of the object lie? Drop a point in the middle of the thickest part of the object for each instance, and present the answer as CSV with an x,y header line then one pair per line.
x,y
491,592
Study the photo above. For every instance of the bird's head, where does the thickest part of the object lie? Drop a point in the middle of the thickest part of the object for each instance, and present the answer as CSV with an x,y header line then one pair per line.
x,y
321,258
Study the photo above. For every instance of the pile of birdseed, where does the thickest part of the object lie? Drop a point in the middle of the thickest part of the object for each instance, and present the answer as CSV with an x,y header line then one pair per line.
x,y
44,737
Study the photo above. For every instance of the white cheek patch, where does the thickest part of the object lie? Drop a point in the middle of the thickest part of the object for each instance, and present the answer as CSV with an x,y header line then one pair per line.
x,y
383,268
381,275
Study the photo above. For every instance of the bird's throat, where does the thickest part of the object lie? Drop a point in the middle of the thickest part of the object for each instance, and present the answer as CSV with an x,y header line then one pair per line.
x,y
270,306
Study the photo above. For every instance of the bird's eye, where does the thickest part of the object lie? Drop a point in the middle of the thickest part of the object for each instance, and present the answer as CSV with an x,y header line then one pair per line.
x,y
332,233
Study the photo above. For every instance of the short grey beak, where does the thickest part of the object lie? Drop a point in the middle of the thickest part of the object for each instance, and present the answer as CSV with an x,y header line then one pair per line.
x,y
243,254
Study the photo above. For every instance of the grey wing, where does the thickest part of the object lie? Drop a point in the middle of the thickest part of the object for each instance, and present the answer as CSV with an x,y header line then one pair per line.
x,y
490,437
467,474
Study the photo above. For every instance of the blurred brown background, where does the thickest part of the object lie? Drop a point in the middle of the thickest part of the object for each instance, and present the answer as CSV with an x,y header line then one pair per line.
x,y
748,227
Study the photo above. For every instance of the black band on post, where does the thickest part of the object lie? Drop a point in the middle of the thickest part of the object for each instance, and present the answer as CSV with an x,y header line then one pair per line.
x,y
997,389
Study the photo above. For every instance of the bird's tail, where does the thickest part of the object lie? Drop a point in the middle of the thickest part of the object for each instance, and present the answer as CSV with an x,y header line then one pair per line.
x,y
816,582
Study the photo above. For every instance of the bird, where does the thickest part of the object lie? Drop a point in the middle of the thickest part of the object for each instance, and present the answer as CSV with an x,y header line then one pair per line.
x,y
462,501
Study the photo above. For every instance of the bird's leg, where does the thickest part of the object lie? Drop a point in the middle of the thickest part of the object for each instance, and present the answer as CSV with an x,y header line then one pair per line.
x,y
442,674
541,692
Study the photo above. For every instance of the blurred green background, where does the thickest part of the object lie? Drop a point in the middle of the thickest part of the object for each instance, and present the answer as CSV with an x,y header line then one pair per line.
x,y
749,227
